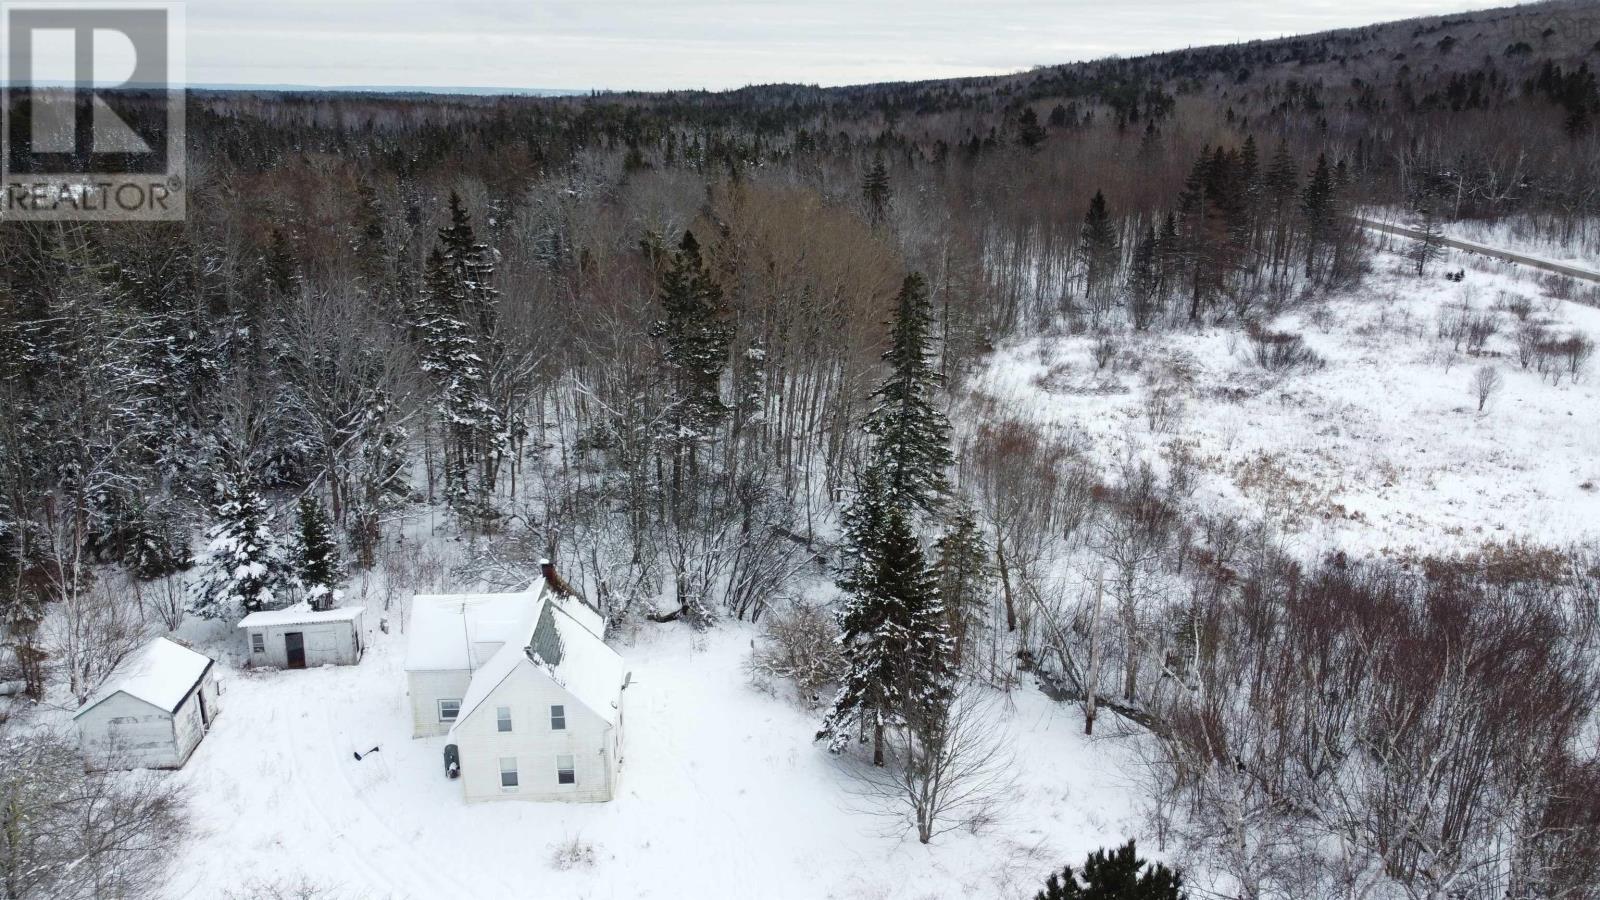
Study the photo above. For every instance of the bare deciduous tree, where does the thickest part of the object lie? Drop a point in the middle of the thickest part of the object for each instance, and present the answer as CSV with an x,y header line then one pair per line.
x,y
1485,384
949,770
71,834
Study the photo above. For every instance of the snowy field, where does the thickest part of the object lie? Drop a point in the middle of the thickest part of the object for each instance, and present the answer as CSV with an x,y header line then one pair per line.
x,y
1382,450
723,794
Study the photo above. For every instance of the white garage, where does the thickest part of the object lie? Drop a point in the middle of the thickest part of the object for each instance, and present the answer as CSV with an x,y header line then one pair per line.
x,y
300,637
152,711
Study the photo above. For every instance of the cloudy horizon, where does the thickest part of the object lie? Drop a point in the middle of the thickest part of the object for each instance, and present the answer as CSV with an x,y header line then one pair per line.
x,y
691,44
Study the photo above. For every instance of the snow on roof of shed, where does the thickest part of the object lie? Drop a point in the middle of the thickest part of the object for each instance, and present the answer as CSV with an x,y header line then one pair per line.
x,y
444,627
161,675
583,665
300,614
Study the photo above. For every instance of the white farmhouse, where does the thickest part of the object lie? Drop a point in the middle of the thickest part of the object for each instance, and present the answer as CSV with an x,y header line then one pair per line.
x,y
527,690
152,711
300,636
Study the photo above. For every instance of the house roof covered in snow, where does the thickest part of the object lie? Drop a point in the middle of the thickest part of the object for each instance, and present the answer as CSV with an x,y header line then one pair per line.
x,y
556,642
161,674
449,632
300,614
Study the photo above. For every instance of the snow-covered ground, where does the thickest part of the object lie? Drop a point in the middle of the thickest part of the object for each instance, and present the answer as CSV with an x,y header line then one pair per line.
x,y
1380,451
723,794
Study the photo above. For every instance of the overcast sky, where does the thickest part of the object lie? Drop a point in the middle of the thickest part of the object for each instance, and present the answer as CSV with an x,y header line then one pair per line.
x,y
659,44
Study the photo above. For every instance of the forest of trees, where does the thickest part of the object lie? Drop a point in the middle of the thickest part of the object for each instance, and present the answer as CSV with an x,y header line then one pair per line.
x,y
696,346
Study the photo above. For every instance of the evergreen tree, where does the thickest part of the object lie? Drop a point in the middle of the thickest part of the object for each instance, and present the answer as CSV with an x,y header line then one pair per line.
x,y
1097,244
318,556
1280,186
895,641
1317,208
450,359
1282,178
1144,280
1429,245
875,192
1250,171
1030,134
912,436
695,335
244,568
1121,875
471,268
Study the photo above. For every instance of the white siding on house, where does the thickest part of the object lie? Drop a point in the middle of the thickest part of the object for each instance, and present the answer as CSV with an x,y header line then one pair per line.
x,y
427,689
588,739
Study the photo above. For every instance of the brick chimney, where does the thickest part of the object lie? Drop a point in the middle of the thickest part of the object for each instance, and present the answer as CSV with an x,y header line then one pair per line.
x,y
548,570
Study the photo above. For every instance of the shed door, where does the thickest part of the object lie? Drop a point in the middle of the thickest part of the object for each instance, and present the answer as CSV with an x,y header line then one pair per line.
x,y
294,649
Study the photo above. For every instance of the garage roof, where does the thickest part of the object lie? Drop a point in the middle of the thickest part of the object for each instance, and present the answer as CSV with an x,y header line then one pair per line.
x,y
300,615
161,675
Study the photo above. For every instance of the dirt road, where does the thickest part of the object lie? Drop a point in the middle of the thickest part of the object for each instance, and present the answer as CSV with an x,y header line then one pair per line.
x,y
1481,250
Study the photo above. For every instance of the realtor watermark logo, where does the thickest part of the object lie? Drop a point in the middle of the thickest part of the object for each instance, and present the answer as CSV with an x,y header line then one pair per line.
x,y
92,126
1582,26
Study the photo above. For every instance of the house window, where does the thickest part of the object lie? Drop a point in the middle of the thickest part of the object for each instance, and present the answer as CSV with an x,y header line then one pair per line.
x,y
258,642
558,718
502,718
565,774
449,709
508,771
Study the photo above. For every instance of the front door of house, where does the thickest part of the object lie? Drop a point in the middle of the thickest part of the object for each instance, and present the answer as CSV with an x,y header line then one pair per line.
x,y
294,647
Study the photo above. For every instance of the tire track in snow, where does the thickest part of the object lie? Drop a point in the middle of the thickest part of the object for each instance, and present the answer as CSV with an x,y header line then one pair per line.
x,y
401,885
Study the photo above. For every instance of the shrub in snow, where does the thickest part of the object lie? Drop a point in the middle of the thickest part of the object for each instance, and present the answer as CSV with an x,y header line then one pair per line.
x,y
572,853
801,643
1119,875
1281,351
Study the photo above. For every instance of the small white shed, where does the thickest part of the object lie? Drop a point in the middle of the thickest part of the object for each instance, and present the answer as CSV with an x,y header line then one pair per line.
x,y
152,711
299,636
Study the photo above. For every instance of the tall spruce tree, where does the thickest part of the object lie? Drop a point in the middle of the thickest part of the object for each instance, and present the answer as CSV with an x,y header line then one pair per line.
x,y
1280,186
317,556
244,568
911,434
875,192
1144,280
450,360
895,642
695,334
1097,245
1317,208
471,267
